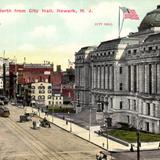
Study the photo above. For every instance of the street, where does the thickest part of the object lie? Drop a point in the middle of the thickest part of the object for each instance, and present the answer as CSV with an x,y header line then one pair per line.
x,y
144,155
18,141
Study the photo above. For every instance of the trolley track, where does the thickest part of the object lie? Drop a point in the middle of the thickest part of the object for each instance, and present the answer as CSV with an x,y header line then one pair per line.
x,y
41,150
43,142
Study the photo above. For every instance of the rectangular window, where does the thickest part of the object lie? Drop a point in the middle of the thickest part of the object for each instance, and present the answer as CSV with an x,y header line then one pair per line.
x,y
111,100
120,70
141,107
135,78
134,51
147,126
121,105
134,105
121,86
128,120
148,109
129,51
129,105
154,110
153,127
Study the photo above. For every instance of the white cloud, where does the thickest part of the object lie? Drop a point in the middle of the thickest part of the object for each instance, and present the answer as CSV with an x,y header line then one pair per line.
x,y
26,48
11,17
44,31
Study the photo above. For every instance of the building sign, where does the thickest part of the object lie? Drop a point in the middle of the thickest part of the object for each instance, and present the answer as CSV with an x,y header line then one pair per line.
x,y
47,72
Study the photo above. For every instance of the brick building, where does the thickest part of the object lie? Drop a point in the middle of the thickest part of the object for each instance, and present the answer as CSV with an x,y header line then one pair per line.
x,y
22,74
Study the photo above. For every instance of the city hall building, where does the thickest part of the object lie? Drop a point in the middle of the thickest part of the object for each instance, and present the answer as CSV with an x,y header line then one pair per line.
x,y
121,77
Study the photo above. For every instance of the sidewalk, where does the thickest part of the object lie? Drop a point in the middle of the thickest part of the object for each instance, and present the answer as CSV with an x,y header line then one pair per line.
x,y
93,137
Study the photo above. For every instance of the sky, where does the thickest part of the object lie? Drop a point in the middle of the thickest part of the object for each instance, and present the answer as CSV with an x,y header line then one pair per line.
x,y
28,32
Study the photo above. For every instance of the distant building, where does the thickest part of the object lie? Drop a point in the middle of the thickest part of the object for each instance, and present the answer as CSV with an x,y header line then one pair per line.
x,y
22,74
4,76
57,100
41,92
121,77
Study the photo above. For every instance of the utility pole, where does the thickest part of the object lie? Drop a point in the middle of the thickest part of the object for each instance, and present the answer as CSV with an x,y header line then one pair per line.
x,y
138,145
4,79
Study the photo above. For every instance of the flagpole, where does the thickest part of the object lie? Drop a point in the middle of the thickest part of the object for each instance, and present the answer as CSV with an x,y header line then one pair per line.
x,y
119,23
121,26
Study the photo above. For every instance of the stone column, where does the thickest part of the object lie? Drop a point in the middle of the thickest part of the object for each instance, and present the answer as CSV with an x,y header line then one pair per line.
x,y
158,78
137,80
154,78
78,76
140,79
106,77
98,77
132,78
113,76
110,77
75,76
94,75
144,108
146,78
125,73
143,78
151,109
102,77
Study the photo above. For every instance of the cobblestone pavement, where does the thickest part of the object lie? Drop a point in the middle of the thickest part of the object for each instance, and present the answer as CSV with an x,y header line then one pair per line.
x,y
18,141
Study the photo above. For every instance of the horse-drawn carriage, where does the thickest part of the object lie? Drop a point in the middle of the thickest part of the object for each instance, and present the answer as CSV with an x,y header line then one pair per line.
x,y
45,123
4,111
26,117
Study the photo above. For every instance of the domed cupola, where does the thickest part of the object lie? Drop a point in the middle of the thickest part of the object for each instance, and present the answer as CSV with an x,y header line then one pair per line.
x,y
152,19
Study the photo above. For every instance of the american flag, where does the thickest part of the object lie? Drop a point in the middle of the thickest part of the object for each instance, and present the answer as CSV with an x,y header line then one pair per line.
x,y
129,13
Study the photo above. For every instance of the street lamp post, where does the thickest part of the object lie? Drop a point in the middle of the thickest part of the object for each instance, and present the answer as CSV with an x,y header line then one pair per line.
x,y
138,145
106,121
107,138
70,126
52,112
70,121
90,123
138,137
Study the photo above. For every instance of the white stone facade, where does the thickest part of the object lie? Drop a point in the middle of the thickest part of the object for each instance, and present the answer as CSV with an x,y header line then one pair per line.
x,y
41,92
57,100
123,79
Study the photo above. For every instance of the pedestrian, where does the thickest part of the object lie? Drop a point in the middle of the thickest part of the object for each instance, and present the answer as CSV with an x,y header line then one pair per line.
x,y
102,144
159,145
131,149
66,122
34,124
